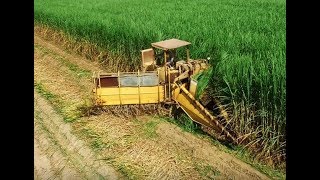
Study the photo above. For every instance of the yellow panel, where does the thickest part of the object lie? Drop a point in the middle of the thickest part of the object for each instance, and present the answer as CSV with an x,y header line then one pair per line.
x,y
130,95
197,112
191,109
129,90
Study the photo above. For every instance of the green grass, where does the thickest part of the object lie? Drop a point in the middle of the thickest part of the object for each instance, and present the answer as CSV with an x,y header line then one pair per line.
x,y
60,106
202,79
207,171
242,153
127,171
187,124
183,121
246,41
96,142
46,94
149,129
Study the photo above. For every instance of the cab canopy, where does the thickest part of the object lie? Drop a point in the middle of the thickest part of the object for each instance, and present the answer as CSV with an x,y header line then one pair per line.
x,y
170,44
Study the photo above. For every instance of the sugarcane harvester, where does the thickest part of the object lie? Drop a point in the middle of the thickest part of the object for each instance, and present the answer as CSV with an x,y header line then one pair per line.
x,y
165,80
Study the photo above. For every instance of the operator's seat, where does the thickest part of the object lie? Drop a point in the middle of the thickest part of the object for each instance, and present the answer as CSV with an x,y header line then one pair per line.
x,y
148,60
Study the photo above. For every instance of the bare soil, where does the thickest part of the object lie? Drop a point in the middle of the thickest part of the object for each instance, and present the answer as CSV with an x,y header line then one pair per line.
x,y
60,154
91,147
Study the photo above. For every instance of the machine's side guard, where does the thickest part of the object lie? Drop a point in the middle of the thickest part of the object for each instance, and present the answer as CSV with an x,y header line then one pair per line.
x,y
196,111
127,88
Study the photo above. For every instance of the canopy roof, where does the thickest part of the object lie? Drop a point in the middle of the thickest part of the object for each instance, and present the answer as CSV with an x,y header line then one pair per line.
x,y
170,44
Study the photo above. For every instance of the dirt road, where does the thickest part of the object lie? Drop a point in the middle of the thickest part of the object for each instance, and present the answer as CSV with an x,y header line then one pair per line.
x,y
143,148
60,154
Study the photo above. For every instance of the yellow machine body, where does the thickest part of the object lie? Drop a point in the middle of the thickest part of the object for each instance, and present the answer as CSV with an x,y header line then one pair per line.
x,y
128,88
169,82
130,95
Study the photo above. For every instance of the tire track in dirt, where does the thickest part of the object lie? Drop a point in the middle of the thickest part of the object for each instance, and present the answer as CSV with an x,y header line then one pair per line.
x,y
60,154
